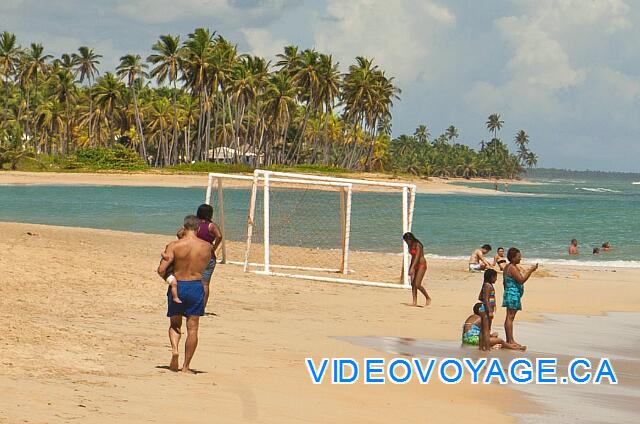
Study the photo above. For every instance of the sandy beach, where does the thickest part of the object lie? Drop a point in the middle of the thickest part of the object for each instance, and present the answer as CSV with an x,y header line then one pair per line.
x,y
86,336
433,185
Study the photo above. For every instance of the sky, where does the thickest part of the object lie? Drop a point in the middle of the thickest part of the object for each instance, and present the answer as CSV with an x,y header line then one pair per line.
x,y
565,71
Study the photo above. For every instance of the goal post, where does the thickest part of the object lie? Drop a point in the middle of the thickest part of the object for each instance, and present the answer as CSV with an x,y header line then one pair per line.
x,y
301,226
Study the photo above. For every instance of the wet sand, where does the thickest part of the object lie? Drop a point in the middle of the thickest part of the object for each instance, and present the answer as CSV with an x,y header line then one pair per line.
x,y
86,339
613,336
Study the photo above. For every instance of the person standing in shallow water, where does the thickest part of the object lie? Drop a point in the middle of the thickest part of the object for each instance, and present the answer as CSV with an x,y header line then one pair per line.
x,y
513,280
417,268
573,248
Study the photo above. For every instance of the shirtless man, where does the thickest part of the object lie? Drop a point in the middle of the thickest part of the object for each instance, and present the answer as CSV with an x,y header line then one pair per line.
x,y
189,256
573,247
477,261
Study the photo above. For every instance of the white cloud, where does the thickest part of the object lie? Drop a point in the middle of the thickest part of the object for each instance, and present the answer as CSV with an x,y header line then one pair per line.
x,y
541,71
164,11
261,42
538,60
561,15
399,35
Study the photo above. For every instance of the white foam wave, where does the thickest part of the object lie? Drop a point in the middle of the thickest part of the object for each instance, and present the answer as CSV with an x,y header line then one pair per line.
x,y
598,190
448,258
562,262
599,264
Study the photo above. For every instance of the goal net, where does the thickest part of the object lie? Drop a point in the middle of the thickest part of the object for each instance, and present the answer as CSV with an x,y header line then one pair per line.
x,y
312,227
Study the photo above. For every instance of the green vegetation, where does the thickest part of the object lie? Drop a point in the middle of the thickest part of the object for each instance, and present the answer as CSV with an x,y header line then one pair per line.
x,y
203,167
196,95
97,159
442,157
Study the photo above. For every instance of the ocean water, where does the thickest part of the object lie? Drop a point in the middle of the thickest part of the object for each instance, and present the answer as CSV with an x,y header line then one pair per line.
x,y
539,219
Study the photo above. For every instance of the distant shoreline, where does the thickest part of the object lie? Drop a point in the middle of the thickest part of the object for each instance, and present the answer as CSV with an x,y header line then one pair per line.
x,y
433,185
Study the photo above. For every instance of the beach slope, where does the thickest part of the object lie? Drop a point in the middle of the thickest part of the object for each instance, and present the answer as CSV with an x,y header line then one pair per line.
x,y
85,337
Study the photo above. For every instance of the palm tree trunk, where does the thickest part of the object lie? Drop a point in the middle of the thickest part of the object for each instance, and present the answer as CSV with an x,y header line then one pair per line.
x,y
35,135
224,120
143,148
214,105
325,159
199,136
90,115
66,101
296,148
187,152
234,138
175,122
6,98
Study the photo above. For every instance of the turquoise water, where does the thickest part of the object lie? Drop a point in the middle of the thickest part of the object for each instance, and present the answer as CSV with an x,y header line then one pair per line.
x,y
540,221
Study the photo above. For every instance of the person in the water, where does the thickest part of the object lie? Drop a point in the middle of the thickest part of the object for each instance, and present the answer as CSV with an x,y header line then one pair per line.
x,y
573,248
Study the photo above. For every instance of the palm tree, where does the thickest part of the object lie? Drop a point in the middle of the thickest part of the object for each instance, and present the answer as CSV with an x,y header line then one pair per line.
x,y
422,134
468,167
280,98
242,92
368,96
358,93
328,90
522,139
259,68
65,93
133,69
224,61
168,66
108,94
86,67
404,145
34,64
494,124
9,57
305,76
49,116
198,51
451,133
160,117
66,62
531,160
288,60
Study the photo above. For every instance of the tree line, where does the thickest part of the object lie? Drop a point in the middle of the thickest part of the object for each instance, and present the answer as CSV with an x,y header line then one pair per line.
x,y
442,156
195,94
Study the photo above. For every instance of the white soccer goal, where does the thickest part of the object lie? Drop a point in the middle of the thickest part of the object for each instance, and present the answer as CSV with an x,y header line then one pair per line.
x,y
314,227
